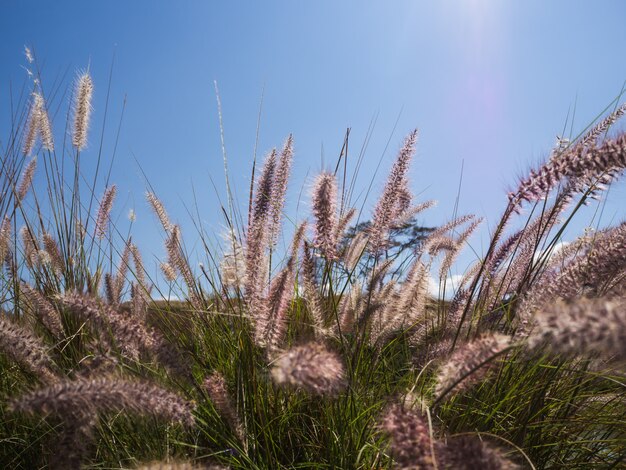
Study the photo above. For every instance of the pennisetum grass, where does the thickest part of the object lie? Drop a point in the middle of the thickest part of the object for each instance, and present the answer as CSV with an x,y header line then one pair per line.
x,y
518,365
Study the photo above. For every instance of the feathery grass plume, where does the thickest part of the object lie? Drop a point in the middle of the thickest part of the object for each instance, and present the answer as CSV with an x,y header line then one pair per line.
x,y
411,444
38,125
406,218
432,350
138,302
271,329
380,304
409,305
27,180
437,239
470,453
29,55
443,243
325,213
26,349
350,307
140,270
109,288
502,252
449,258
578,162
373,287
82,110
104,211
256,243
343,222
354,251
310,367
117,282
582,326
470,363
312,296
43,310
232,265
168,271
215,386
279,189
159,210
456,308
105,395
31,251
5,238
605,257
591,137
176,258
43,123
32,128
395,199
52,248
131,336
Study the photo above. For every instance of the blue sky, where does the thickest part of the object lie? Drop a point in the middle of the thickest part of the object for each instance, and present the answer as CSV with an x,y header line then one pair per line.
x,y
489,84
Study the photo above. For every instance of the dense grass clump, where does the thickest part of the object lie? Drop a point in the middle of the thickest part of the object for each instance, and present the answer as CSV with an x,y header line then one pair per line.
x,y
333,354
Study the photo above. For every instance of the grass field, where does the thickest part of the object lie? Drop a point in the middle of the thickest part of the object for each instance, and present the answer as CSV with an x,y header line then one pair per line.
x,y
333,354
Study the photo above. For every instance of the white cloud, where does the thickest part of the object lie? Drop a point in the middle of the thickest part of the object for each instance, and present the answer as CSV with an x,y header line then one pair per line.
x,y
451,284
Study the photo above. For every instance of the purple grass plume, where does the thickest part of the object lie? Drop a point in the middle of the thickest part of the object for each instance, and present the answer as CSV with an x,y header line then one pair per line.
x,y
104,211
43,310
310,367
470,363
395,199
471,453
582,326
411,444
325,213
82,110
215,386
26,181
26,349
279,189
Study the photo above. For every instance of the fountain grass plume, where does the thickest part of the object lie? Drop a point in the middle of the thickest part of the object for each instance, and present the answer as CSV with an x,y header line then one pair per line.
x,y
104,211
603,259
82,110
26,181
411,444
38,125
43,123
578,162
310,289
271,328
470,363
5,238
324,208
31,251
159,211
395,198
215,386
257,236
26,349
467,452
582,326
310,367
52,248
43,310
105,395
279,189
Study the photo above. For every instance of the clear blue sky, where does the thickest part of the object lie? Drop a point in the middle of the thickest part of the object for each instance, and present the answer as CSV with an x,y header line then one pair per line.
x,y
488,83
